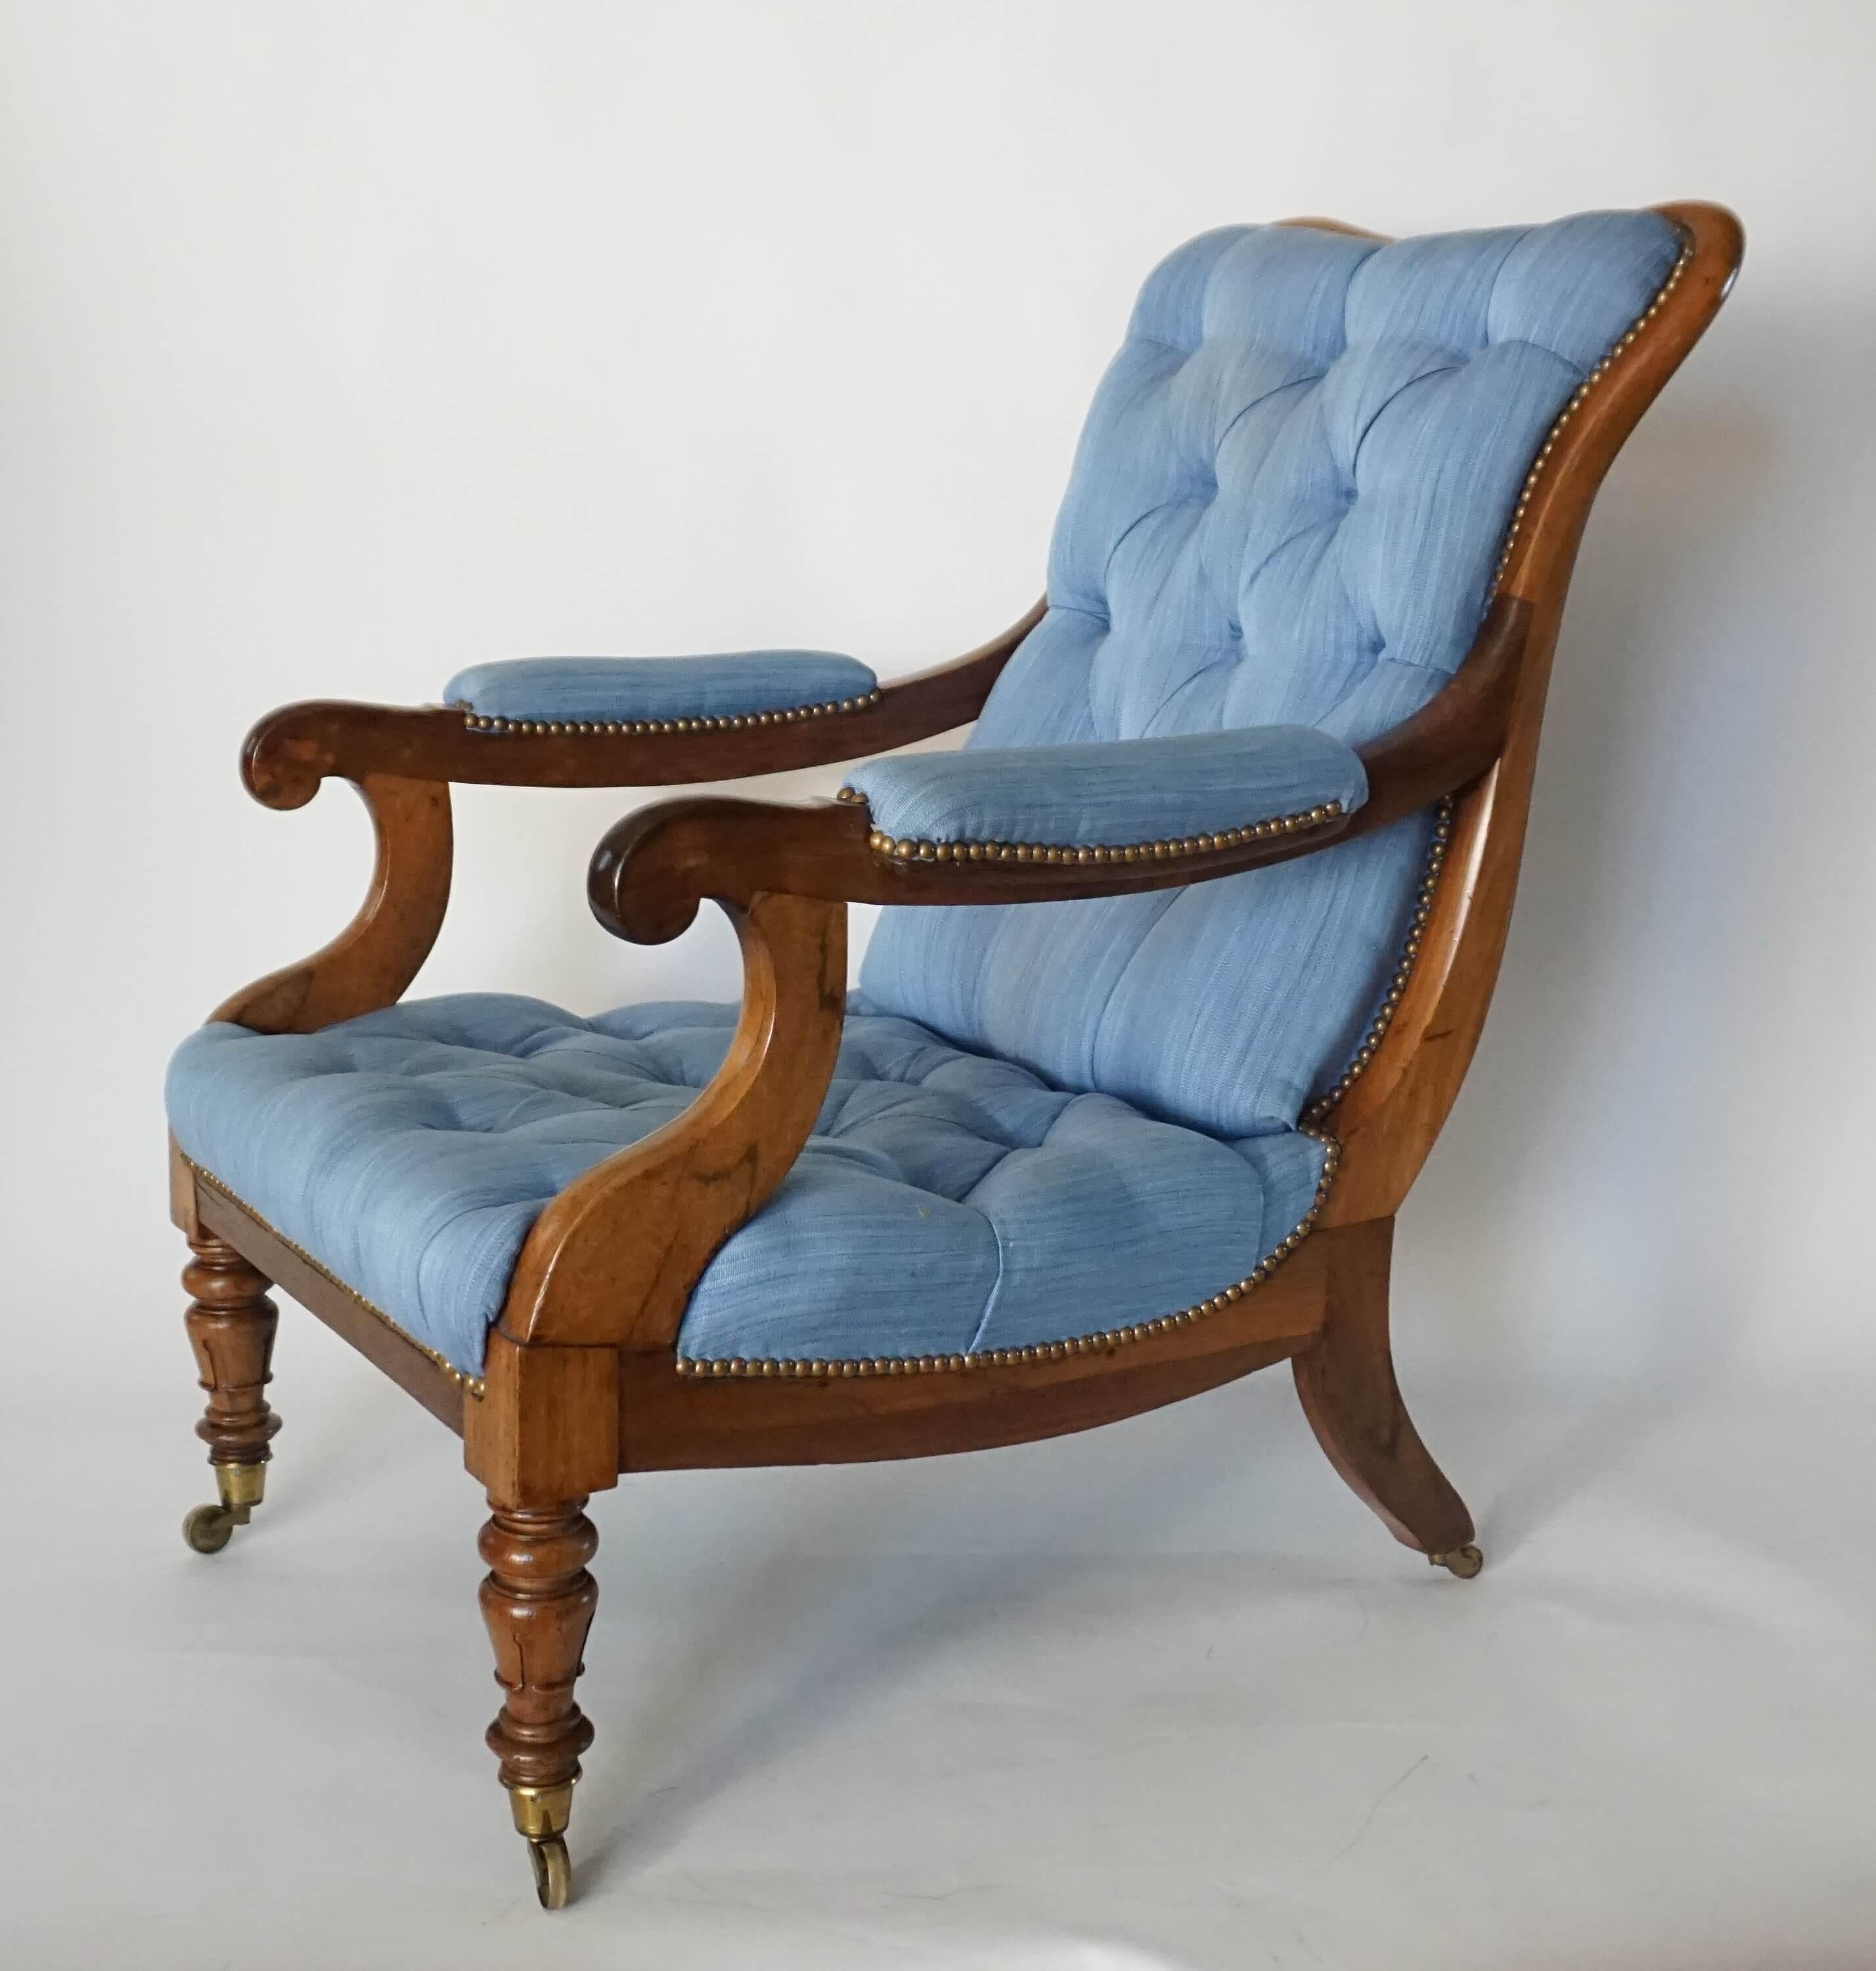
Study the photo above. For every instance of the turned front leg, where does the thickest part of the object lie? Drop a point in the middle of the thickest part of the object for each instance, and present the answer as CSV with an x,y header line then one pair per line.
x,y
538,1601
231,1324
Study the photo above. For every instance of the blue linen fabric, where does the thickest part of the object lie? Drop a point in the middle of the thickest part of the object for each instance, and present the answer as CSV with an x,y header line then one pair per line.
x,y
619,688
1286,509
1111,793
947,1201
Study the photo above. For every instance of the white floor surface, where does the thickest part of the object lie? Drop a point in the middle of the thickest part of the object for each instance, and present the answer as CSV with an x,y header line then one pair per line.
x,y
1164,1696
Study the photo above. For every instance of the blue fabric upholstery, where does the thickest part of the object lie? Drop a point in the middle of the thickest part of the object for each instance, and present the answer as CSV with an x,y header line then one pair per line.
x,y
1047,1119
946,1202
632,687
1286,509
1112,792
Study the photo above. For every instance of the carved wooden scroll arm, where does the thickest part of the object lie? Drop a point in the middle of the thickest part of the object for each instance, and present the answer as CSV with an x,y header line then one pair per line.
x,y
614,1257
650,872
374,959
291,751
401,760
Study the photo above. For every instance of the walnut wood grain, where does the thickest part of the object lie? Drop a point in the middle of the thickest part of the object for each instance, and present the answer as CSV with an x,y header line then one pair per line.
x,y
1346,1381
613,1258
545,1423
538,1601
182,1212
231,1323
1316,225
414,1370
669,1422
370,964
291,750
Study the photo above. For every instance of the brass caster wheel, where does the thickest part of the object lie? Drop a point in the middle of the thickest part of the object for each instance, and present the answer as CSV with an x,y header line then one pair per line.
x,y
541,1815
1463,1561
209,1528
553,1873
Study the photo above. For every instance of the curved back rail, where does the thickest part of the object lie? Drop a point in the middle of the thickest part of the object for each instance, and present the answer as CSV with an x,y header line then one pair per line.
x,y
1392,1111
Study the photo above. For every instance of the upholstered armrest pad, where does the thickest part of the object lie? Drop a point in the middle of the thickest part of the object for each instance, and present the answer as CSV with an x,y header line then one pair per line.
x,y
1113,794
620,690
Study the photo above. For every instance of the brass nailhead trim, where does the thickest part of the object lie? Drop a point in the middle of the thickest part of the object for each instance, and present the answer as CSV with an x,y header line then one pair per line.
x,y
636,728
1595,376
473,1384
1443,828
1108,1339
1397,985
906,849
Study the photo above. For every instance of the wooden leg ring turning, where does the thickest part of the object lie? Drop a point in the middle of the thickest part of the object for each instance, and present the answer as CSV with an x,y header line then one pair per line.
x,y
231,1324
538,1601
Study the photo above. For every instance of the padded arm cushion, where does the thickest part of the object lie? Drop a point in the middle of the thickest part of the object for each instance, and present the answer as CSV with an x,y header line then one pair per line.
x,y
615,688
1116,792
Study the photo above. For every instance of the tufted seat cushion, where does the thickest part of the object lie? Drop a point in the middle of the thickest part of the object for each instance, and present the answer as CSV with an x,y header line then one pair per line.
x,y
946,1202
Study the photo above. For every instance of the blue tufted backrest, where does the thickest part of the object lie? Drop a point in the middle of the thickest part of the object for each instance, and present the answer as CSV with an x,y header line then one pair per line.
x,y
1287,507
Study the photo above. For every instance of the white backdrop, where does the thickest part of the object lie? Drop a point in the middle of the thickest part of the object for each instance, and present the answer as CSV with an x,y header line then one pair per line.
x,y
343,345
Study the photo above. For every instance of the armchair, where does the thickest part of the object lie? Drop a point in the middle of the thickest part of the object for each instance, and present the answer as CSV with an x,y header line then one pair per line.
x,y
1186,957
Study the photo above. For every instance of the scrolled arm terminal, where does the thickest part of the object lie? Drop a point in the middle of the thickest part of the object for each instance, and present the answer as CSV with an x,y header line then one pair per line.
x,y
563,722
401,760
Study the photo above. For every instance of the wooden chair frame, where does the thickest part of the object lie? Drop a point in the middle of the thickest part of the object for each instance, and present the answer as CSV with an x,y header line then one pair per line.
x,y
583,1381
